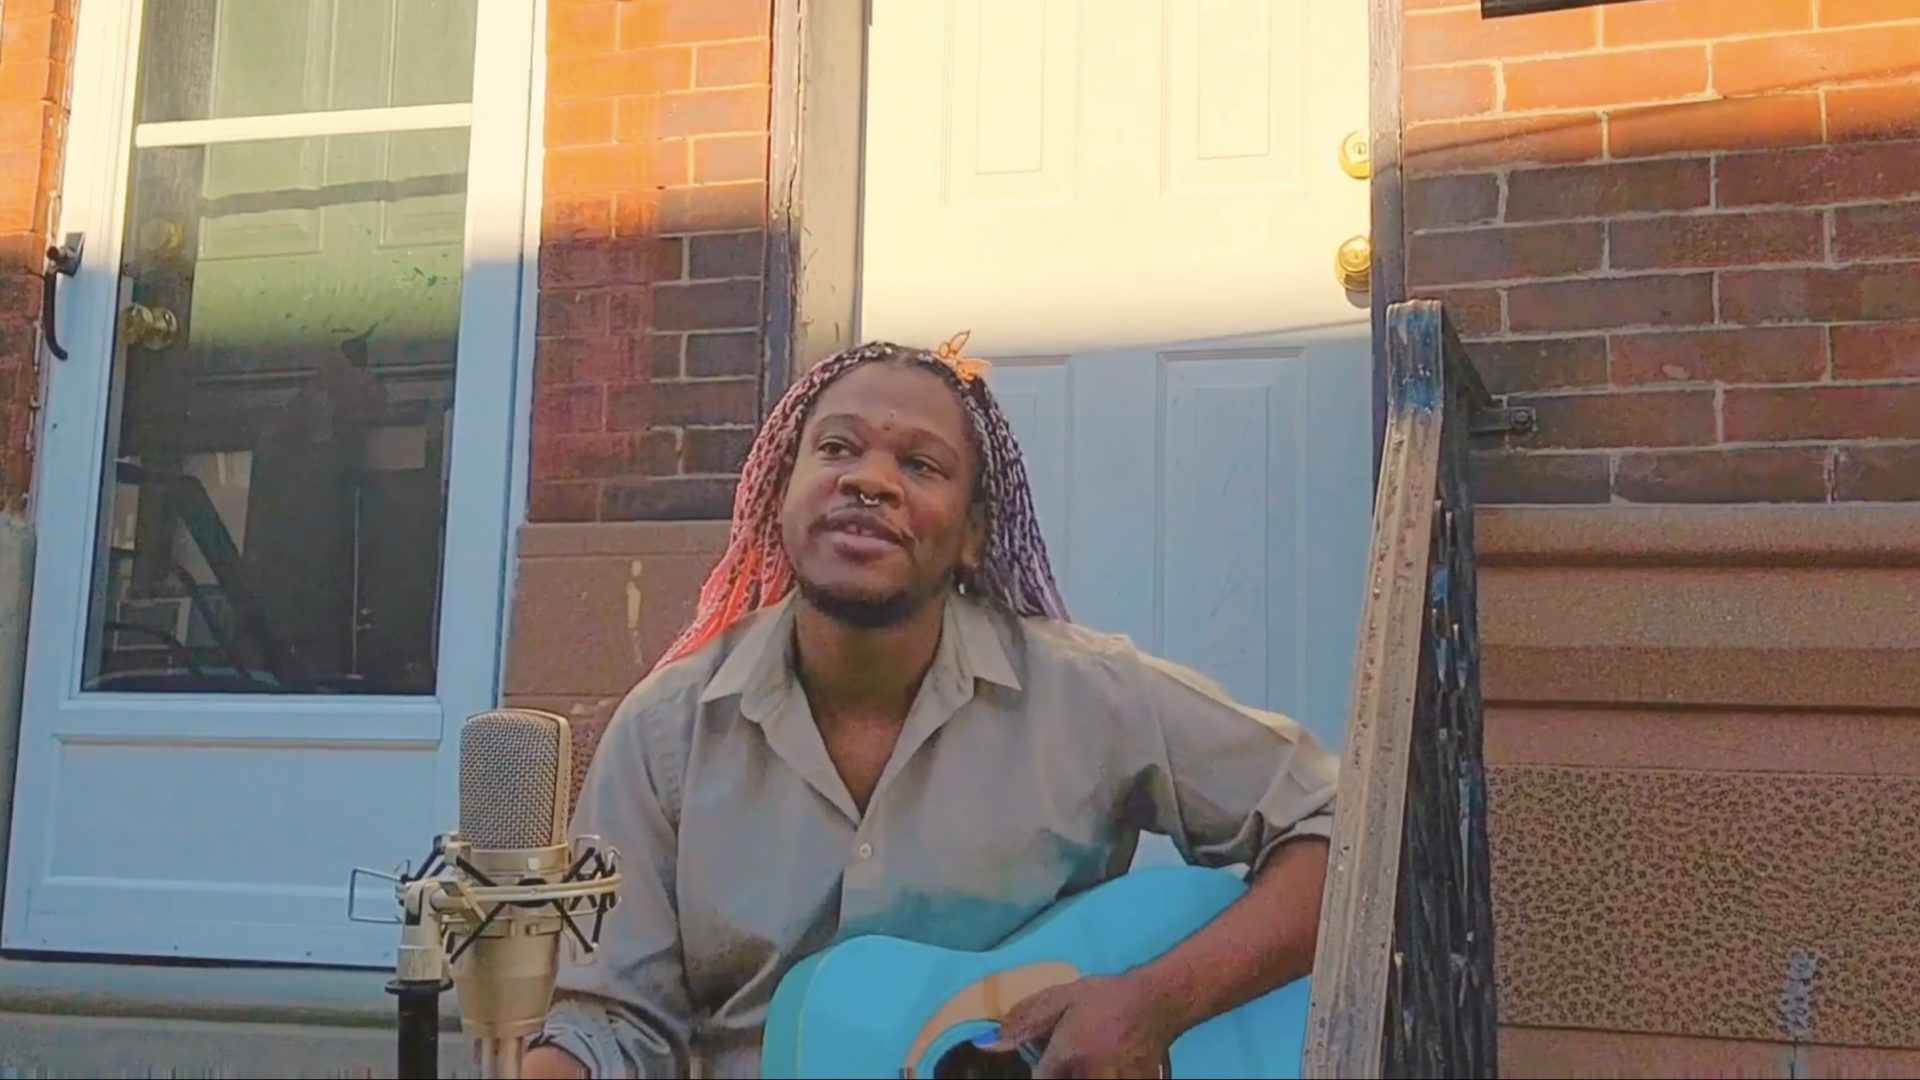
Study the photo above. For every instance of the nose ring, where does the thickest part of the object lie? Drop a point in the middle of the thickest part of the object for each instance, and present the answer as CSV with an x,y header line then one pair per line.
x,y
867,500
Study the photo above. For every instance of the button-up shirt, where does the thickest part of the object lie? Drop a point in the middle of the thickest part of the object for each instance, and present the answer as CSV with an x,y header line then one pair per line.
x,y
1034,755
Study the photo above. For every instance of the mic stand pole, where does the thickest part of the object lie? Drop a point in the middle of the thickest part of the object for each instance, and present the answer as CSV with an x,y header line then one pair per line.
x,y
420,976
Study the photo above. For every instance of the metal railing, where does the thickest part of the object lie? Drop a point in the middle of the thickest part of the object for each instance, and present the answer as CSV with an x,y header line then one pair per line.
x,y
1404,979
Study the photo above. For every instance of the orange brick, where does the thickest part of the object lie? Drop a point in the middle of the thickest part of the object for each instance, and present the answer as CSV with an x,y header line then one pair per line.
x,y
575,30
1460,145
1647,21
1701,240
1608,78
1764,65
668,22
646,71
44,37
582,122
1777,120
576,170
1873,112
734,63
31,80
714,112
719,158
581,217
634,118
1852,12
24,123
1456,35
1448,92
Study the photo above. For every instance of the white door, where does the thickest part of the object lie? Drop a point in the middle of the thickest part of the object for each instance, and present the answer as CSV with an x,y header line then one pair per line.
x,y
1134,205
273,480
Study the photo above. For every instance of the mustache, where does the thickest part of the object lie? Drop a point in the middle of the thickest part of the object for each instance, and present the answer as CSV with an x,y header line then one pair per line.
x,y
851,516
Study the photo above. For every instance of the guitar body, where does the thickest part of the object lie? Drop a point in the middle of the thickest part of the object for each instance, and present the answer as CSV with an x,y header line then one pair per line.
x,y
886,1007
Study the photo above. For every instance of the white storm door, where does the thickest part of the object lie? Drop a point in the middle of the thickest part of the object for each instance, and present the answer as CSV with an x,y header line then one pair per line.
x,y
273,482
1134,205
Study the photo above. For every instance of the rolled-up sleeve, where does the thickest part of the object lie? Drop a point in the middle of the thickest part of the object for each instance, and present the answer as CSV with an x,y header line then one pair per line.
x,y
1227,782
625,1011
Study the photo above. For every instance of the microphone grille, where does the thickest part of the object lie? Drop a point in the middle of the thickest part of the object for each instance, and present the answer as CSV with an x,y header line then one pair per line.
x,y
516,773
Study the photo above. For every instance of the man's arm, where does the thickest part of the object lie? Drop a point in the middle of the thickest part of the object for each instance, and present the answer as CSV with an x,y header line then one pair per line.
x,y
626,1011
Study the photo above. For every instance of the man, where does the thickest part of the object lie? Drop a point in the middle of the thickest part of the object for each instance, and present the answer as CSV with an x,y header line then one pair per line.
x,y
880,721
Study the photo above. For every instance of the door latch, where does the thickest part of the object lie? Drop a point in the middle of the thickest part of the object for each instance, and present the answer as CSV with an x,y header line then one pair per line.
x,y
61,259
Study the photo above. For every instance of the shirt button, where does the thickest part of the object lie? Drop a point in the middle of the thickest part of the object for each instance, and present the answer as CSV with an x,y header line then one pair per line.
x,y
866,851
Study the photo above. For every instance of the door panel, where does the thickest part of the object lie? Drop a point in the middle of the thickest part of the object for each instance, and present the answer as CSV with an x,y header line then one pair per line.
x,y
1134,205
285,427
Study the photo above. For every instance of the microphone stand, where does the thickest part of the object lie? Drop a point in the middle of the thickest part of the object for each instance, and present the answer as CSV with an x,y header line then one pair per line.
x,y
420,976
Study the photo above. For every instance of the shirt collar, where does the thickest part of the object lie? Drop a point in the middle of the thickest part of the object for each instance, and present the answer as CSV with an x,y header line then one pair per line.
x,y
759,666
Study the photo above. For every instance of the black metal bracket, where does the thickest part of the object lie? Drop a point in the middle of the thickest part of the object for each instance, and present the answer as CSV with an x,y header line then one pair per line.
x,y
1503,420
62,259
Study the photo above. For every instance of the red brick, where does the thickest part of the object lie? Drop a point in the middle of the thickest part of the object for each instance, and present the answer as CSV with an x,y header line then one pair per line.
x,y
1601,303
1822,412
1873,112
726,255
1454,36
1876,351
1461,145
666,259
724,354
1696,240
715,449
1539,478
659,354
641,72
1556,363
1888,472
562,500
707,306
579,217
568,409
713,208
1605,190
1756,475
1500,254
702,401
636,213
576,170
1851,12
1876,232
1444,93
734,63
714,112
629,309
1452,200
585,359
1776,120
669,161
649,22
1827,175
582,263
1871,293
669,499
579,122
1621,418
575,30
1608,78
719,158
1697,20
602,454
571,313
1475,312
1775,354
1764,65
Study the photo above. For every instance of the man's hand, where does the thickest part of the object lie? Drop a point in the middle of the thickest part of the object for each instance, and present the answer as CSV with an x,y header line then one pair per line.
x,y
551,1063
1099,1026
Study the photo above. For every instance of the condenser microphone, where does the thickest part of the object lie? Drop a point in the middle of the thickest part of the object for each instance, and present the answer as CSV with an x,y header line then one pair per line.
x,y
498,894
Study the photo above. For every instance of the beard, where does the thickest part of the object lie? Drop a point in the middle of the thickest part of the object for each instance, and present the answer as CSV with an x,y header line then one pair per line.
x,y
863,611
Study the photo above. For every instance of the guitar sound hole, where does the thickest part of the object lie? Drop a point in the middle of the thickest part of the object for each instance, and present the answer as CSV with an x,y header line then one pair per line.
x,y
969,1062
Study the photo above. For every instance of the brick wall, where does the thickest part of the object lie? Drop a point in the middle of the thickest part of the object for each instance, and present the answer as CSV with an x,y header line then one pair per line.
x,y
1689,231
647,372
36,50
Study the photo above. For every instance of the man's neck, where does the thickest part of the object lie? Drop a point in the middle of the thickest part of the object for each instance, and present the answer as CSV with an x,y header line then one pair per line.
x,y
856,672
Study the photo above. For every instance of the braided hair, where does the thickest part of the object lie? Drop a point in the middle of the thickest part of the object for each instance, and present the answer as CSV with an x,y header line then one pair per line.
x,y
754,570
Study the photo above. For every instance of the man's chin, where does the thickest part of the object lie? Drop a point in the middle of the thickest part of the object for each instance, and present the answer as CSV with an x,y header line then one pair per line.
x,y
861,609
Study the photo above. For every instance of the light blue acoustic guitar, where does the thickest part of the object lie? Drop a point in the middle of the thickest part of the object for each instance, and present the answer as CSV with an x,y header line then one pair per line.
x,y
884,1007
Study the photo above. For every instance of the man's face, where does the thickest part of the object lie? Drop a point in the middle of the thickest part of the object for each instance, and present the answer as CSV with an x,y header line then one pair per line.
x,y
879,510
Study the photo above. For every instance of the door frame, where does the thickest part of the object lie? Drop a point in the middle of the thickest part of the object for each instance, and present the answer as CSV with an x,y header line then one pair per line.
x,y
814,220
486,485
